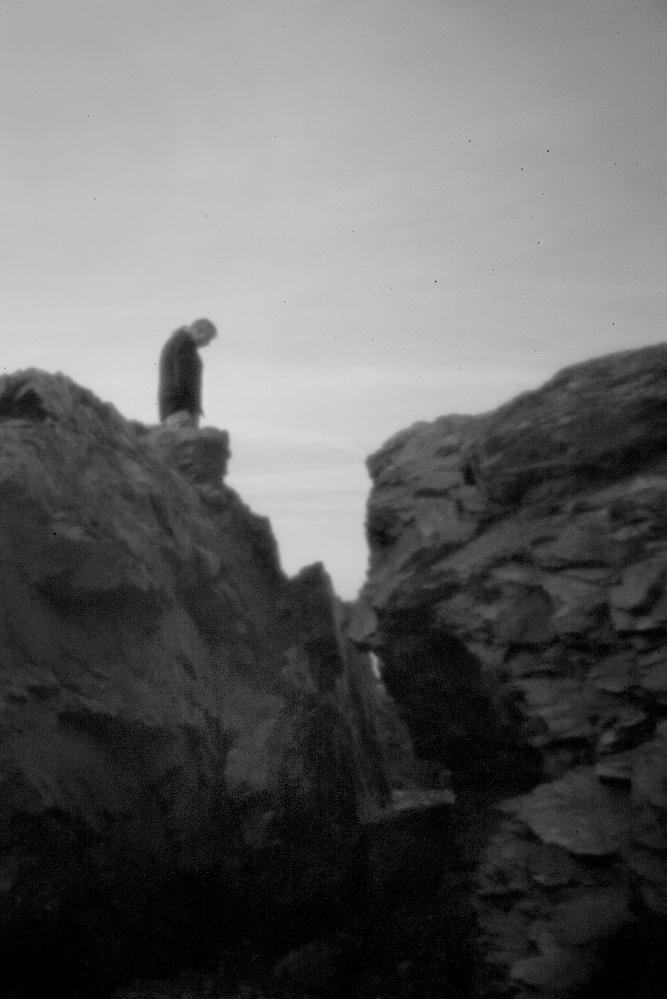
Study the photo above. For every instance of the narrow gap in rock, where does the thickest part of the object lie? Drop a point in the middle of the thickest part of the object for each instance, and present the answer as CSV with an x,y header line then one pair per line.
x,y
449,709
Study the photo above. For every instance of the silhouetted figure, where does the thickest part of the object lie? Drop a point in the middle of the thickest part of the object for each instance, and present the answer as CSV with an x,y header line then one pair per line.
x,y
181,370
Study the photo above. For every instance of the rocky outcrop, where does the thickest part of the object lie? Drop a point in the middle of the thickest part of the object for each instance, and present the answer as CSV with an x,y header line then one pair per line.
x,y
189,743
517,599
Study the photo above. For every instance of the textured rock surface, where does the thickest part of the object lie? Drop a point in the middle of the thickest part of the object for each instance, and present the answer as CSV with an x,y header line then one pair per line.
x,y
517,599
188,742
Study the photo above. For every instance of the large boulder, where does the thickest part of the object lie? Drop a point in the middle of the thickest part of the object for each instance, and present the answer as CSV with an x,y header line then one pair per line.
x,y
189,742
517,598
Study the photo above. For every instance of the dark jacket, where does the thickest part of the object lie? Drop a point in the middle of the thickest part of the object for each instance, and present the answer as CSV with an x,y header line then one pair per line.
x,y
180,375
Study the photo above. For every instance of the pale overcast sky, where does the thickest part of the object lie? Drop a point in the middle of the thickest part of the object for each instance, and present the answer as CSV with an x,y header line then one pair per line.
x,y
392,209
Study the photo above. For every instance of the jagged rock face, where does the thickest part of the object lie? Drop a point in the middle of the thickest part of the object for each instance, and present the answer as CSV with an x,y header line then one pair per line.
x,y
186,735
517,597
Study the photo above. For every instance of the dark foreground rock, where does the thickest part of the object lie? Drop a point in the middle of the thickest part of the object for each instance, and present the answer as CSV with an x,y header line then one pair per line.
x,y
400,941
189,743
517,599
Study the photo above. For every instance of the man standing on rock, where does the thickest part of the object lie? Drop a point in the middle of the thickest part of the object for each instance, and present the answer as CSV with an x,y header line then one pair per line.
x,y
179,393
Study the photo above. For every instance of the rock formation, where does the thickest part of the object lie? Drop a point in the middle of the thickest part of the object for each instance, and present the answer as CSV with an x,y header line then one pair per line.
x,y
517,600
189,743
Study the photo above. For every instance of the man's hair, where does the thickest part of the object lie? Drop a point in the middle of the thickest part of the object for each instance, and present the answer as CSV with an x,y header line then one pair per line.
x,y
203,327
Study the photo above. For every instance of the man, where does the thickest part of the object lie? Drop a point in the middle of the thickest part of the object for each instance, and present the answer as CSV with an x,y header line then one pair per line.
x,y
181,372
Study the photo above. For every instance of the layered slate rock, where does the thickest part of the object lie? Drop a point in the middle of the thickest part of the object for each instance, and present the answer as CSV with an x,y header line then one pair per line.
x,y
517,596
189,743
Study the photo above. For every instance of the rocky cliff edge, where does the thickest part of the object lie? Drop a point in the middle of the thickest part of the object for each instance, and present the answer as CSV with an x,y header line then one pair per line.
x,y
189,743
517,599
